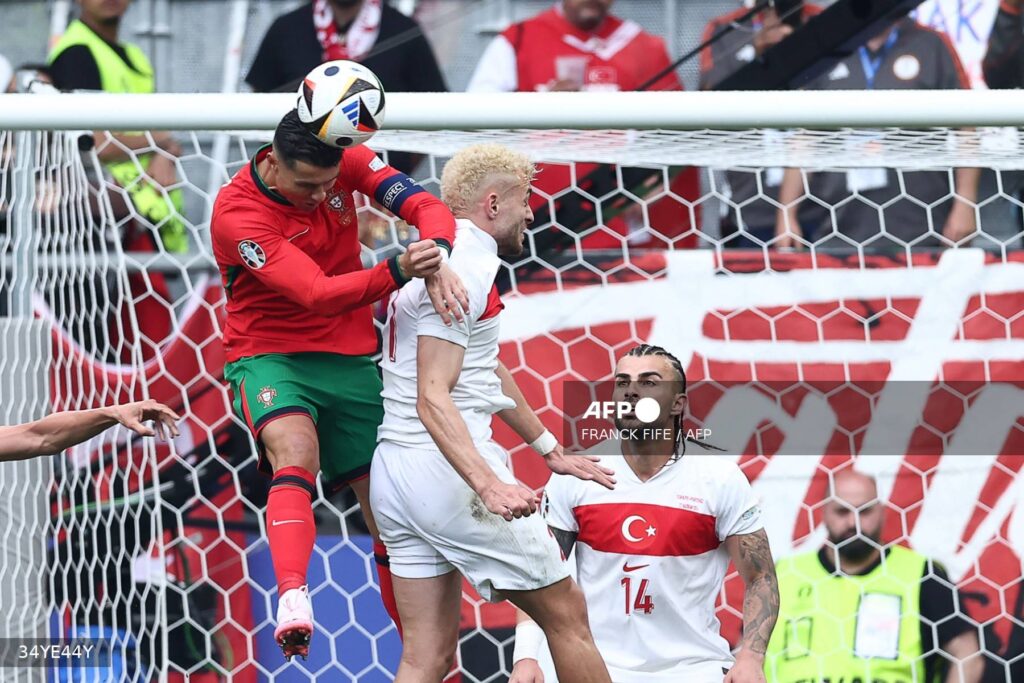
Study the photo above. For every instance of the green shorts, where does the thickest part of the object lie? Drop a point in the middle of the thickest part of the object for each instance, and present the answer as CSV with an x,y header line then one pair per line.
x,y
341,394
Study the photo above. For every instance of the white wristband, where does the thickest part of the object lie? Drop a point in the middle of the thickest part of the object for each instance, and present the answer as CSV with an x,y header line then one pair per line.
x,y
545,443
529,637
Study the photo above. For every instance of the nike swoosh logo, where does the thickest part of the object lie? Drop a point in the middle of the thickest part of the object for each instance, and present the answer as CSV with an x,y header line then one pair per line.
x,y
627,568
279,522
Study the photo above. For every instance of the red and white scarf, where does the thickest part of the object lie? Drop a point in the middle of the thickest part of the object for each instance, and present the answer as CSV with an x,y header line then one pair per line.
x,y
359,39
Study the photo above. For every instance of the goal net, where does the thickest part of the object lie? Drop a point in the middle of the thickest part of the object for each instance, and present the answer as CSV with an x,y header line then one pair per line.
x,y
887,332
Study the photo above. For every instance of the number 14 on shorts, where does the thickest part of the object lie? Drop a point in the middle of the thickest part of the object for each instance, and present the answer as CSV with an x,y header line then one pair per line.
x,y
640,601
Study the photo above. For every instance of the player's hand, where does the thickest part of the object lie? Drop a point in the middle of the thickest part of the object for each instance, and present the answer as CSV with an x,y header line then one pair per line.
x,y
526,671
773,32
133,415
165,141
961,223
421,259
448,295
509,501
162,171
749,668
583,467
564,86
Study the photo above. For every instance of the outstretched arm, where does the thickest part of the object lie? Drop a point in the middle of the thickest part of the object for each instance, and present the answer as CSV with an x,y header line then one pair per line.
x,y
753,559
438,364
56,432
524,422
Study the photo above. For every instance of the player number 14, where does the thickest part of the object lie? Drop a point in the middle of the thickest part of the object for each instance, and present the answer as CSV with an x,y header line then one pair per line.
x,y
641,602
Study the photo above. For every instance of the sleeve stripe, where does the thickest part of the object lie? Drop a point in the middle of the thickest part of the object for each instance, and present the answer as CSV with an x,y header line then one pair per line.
x,y
396,272
392,192
444,244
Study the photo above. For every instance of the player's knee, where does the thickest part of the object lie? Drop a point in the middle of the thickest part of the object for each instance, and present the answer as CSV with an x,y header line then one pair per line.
x,y
294,450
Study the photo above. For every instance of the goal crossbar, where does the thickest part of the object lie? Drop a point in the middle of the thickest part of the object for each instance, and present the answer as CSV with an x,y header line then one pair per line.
x,y
468,111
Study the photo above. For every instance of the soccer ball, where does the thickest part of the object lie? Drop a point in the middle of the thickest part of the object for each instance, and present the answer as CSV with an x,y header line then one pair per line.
x,y
342,103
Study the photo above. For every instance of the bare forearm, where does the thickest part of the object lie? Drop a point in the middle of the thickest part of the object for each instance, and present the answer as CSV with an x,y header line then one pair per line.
x,y
971,671
116,146
967,666
439,415
753,558
967,183
760,610
53,433
522,419
791,188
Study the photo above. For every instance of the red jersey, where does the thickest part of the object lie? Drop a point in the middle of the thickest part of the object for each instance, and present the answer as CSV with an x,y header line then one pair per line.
x,y
294,280
619,55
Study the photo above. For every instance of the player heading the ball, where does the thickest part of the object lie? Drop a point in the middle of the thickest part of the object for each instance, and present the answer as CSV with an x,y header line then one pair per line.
x,y
299,334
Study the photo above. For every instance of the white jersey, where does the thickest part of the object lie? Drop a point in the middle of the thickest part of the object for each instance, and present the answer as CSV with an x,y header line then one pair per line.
x,y
651,562
477,394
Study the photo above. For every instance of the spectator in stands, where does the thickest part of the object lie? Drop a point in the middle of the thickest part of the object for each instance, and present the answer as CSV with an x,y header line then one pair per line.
x,y
1003,66
370,32
913,208
747,40
858,610
749,218
575,45
89,56
579,45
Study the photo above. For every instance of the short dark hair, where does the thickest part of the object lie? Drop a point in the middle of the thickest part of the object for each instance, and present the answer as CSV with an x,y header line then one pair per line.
x,y
293,142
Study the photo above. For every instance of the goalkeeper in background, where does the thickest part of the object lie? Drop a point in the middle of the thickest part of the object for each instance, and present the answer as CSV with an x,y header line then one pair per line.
x,y
299,334
54,433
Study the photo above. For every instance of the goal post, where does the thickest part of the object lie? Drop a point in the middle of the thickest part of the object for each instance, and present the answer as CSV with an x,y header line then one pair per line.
x,y
159,550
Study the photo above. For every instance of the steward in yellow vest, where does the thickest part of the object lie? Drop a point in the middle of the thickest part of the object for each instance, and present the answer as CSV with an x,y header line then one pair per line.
x,y
881,617
123,68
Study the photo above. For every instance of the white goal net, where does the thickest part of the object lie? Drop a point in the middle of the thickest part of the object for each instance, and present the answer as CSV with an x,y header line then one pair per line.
x,y
889,330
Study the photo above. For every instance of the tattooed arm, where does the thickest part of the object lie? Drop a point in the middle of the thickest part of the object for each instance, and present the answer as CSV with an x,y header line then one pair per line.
x,y
753,559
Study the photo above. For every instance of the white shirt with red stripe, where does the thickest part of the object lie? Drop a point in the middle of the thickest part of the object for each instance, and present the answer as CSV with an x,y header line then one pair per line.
x,y
651,561
477,394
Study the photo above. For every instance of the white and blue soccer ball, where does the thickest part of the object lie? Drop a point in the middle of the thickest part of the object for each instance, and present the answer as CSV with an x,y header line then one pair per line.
x,y
342,103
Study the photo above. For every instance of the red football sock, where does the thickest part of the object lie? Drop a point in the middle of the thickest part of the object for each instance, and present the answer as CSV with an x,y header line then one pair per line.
x,y
291,531
387,590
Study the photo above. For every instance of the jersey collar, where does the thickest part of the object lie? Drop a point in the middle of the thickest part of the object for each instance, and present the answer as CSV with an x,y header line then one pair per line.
x,y
271,194
482,237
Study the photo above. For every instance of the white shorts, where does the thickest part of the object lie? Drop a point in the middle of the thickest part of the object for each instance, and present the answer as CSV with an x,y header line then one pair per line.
x,y
432,522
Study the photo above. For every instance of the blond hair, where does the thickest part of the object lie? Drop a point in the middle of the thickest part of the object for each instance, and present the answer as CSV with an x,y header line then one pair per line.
x,y
472,169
